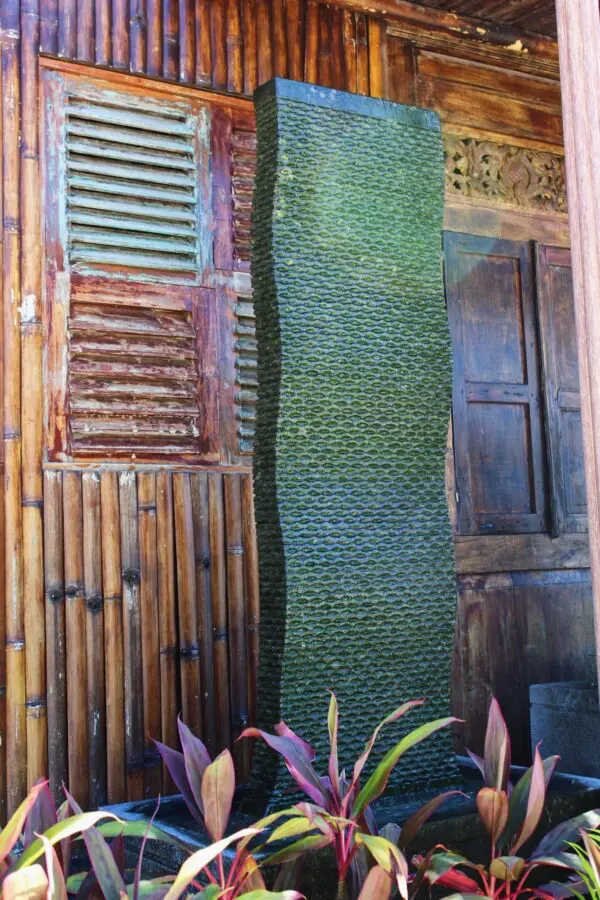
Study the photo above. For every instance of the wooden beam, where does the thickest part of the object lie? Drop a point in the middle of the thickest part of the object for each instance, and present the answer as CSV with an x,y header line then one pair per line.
x,y
579,46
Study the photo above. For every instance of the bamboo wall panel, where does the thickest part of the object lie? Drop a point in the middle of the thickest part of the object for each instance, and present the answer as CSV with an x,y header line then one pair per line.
x,y
160,579
229,45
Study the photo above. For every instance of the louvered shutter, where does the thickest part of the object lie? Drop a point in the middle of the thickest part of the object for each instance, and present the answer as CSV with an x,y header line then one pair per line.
x,y
141,333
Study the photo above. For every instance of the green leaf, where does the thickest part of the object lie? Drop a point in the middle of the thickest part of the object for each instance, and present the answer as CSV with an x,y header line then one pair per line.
x,y
298,848
103,862
154,889
57,888
218,786
212,892
507,868
376,784
138,829
519,799
67,828
291,828
11,832
200,860
332,726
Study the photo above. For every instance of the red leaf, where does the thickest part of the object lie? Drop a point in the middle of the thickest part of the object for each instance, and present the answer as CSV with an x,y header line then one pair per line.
x,y
497,749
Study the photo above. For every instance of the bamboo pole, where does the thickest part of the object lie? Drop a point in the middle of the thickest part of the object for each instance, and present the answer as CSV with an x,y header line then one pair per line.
x,y
187,48
85,31
132,643
203,45
94,630
49,27
265,49
311,57
349,38
16,747
67,28
325,76
165,553
295,38
31,407
113,638
137,36
249,37
189,649
200,514
375,57
154,37
120,34
251,590
219,609
102,32
236,617
55,633
75,633
362,55
153,775
279,39
235,69
218,17
170,42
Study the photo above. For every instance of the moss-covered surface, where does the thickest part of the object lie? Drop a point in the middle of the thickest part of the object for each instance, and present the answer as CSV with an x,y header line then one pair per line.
x,y
356,565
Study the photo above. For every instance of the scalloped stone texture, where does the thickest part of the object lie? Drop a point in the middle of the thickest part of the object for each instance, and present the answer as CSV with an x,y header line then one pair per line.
x,y
357,572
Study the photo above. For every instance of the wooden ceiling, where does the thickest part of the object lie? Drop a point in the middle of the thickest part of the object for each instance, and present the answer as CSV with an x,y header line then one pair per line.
x,y
530,15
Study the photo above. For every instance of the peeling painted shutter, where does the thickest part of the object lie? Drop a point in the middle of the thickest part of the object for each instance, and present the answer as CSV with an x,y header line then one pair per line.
x,y
243,171
246,380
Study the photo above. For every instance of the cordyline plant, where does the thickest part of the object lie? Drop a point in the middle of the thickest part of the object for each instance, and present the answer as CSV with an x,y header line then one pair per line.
x,y
340,806
510,816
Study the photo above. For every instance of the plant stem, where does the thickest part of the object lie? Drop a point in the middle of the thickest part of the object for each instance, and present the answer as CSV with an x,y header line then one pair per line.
x,y
342,891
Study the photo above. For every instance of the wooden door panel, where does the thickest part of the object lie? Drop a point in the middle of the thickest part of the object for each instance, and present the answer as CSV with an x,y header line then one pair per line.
x,y
499,451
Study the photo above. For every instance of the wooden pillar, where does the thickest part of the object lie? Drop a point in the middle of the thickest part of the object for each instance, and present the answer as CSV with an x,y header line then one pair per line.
x,y
579,51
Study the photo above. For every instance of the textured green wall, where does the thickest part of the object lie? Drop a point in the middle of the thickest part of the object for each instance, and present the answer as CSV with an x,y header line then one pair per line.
x,y
357,572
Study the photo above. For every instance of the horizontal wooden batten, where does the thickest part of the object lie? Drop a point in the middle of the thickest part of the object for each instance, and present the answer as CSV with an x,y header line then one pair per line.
x,y
505,553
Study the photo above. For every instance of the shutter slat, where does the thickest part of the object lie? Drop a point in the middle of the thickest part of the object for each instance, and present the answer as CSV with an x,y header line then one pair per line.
x,y
246,364
159,261
123,153
120,136
139,210
119,223
133,172
128,117
165,244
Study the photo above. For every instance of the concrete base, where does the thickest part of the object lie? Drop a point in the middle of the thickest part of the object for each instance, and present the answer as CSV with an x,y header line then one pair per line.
x,y
565,716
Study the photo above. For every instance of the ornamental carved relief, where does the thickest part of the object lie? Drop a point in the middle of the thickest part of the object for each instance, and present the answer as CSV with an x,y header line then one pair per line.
x,y
514,176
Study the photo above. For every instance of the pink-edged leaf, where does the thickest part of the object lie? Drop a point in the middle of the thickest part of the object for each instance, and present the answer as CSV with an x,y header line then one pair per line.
x,y
199,860
42,815
218,786
333,720
566,832
496,757
535,801
302,746
175,763
442,870
378,885
103,862
26,884
11,832
519,799
138,869
196,759
297,764
57,888
560,891
492,806
377,782
362,759
478,760
414,823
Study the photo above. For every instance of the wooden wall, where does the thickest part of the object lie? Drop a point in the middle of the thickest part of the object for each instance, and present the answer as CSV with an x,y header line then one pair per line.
x,y
160,555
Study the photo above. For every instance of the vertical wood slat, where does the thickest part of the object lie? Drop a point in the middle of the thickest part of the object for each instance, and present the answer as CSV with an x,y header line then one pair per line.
x,y
31,387
11,289
154,37
376,46
324,68
279,39
311,52
187,43
102,32
295,38
251,591
120,34
200,511
67,28
137,36
203,45
55,633
221,137
362,55
75,629
85,30
349,38
113,638
236,615
401,71
338,76
218,16
96,693
189,649
235,68
150,632
170,19
49,27
218,588
132,640
250,50
265,49
165,553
